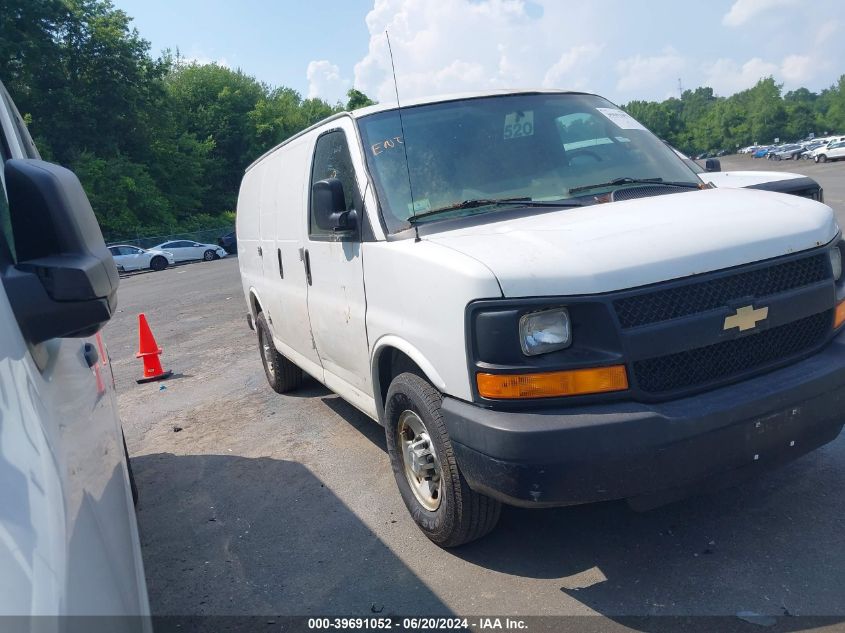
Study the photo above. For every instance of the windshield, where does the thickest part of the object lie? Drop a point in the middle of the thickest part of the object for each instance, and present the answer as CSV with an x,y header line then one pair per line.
x,y
537,147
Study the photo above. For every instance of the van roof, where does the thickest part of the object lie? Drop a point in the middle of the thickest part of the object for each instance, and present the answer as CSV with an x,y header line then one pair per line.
x,y
385,107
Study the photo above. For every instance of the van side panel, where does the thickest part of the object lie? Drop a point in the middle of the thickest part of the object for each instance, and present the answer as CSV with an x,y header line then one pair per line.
x,y
418,291
284,211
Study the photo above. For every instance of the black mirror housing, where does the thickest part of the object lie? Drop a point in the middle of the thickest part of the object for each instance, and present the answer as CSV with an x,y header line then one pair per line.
x,y
62,281
712,164
329,204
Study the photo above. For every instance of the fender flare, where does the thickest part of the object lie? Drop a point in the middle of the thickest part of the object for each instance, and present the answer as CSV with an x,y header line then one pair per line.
x,y
392,341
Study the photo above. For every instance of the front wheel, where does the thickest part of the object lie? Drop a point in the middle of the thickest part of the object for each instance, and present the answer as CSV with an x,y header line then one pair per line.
x,y
435,492
158,263
209,255
821,158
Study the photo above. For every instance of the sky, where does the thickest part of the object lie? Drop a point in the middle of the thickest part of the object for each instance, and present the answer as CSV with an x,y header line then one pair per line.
x,y
620,49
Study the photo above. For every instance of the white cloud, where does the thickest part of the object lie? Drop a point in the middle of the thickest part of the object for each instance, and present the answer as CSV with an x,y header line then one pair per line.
x,y
726,76
638,73
744,10
826,31
574,59
325,81
612,48
798,69
459,46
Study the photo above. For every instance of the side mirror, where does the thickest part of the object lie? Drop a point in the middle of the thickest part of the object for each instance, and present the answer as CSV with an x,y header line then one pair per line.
x,y
60,279
329,204
712,164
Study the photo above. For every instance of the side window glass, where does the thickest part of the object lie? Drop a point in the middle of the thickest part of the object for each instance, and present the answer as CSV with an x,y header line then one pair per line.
x,y
332,160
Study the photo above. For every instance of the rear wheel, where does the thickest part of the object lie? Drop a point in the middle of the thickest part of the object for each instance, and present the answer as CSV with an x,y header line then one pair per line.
x,y
209,255
158,263
281,373
435,492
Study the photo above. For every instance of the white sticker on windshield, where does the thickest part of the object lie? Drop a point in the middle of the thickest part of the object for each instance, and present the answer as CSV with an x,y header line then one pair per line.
x,y
621,119
518,124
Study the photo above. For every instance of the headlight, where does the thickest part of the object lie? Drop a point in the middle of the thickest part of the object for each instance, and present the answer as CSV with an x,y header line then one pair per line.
x,y
543,332
836,262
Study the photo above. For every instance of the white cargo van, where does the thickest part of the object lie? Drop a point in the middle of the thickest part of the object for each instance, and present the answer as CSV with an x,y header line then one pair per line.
x,y
542,304
68,537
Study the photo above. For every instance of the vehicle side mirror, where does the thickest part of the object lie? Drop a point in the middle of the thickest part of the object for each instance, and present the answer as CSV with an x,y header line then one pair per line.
x,y
329,205
712,164
59,276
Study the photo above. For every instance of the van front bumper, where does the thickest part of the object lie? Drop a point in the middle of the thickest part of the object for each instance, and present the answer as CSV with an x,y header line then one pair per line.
x,y
651,453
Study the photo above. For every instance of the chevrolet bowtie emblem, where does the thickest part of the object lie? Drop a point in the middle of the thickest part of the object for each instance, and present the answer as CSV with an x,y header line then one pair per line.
x,y
746,318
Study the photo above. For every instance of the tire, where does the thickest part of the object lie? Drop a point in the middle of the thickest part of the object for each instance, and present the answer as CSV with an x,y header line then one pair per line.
x,y
132,485
281,373
209,255
158,263
821,158
461,515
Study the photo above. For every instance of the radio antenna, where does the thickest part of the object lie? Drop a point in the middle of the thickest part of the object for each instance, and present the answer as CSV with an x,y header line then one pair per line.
x,y
402,128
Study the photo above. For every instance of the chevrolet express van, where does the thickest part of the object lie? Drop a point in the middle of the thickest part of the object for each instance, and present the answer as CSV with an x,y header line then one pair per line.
x,y
542,304
69,541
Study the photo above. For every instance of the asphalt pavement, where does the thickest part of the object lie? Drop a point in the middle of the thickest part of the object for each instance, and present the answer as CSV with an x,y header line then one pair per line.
x,y
257,503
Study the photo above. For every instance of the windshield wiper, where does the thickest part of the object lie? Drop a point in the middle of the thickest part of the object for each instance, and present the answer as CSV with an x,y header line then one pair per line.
x,y
634,181
492,202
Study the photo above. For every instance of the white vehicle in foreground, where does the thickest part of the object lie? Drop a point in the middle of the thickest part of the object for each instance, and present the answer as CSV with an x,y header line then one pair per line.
x,y
777,181
68,537
187,250
541,304
128,258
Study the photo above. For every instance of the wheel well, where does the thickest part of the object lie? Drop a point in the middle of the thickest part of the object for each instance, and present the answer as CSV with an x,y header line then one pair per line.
x,y
256,306
391,363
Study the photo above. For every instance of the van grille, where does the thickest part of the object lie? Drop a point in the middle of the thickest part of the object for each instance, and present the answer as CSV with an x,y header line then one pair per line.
x,y
694,298
729,359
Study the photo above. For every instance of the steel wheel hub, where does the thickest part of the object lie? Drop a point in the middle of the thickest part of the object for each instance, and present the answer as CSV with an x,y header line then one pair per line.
x,y
421,465
266,355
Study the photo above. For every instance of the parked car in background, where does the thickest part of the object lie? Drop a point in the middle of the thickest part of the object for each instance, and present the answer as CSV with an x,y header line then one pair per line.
x,y
760,152
229,242
128,258
187,250
788,152
68,535
808,149
832,151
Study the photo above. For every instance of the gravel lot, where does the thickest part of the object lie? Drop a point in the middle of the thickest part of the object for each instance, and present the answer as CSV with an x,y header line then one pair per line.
x,y
269,504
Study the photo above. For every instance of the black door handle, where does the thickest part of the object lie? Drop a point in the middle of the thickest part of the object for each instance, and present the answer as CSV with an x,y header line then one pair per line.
x,y
260,252
307,267
281,270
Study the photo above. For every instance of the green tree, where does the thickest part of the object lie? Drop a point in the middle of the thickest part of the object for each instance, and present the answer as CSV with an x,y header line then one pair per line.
x,y
357,99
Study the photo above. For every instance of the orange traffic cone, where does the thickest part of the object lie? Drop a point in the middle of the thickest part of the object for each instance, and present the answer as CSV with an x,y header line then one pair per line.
x,y
149,350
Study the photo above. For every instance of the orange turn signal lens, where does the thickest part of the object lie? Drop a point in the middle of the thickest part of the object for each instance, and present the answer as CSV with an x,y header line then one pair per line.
x,y
552,384
839,315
